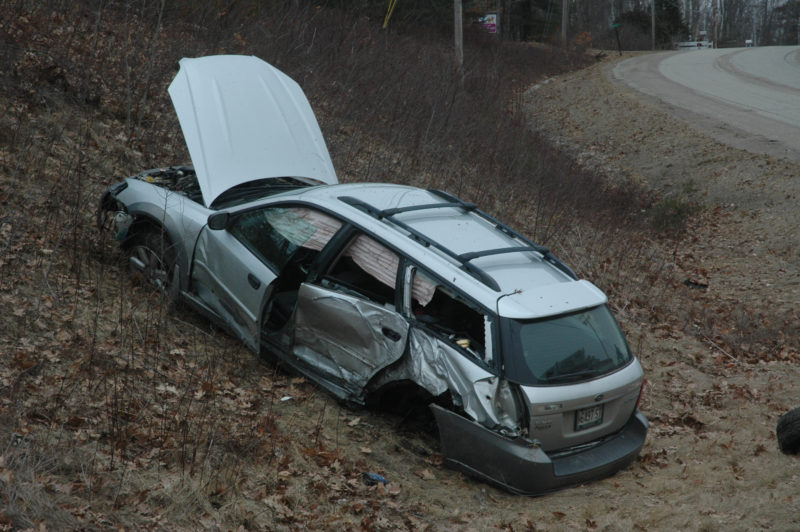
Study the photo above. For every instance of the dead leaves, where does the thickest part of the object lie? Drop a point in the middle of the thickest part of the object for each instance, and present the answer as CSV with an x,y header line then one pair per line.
x,y
672,424
322,457
280,507
659,459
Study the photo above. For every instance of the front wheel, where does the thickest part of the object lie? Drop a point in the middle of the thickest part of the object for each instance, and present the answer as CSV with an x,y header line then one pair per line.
x,y
788,432
152,256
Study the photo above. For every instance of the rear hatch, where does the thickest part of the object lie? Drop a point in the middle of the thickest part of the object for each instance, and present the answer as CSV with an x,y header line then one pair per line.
x,y
562,417
577,375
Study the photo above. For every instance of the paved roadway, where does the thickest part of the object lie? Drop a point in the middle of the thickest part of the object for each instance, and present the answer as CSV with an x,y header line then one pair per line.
x,y
746,97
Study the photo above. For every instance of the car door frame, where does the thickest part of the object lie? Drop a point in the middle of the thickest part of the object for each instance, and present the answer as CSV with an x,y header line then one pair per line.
x,y
245,320
315,355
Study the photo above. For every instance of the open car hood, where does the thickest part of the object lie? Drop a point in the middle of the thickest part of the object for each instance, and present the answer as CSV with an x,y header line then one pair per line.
x,y
243,120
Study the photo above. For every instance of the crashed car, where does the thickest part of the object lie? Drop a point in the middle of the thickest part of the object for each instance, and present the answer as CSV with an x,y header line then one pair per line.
x,y
380,290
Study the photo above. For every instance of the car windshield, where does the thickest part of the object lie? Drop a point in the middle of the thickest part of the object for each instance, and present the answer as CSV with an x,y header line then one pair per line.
x,y
565,349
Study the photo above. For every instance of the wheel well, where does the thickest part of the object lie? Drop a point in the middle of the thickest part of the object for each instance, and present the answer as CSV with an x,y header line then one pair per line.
x,y
410,402
398,396
142,225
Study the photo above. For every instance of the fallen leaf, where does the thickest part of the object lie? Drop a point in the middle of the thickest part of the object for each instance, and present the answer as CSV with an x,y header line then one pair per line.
x,y
425,474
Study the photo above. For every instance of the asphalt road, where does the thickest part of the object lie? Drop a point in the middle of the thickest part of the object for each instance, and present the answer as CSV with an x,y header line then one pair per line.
x,y
746,97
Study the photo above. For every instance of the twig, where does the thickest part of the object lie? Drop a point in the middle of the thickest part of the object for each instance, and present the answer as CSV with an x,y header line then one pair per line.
x,y
319,424
710,341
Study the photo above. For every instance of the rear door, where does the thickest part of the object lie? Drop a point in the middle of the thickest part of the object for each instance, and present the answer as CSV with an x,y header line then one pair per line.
x,y
347,327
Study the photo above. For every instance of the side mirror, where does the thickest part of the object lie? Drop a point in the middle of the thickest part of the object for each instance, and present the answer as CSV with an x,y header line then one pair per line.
x,y
219,221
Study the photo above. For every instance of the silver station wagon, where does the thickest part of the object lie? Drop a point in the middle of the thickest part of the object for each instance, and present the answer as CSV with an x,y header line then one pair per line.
x,y
380,290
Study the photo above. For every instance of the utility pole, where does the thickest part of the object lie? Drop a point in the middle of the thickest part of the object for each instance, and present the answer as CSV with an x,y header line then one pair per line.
x,y
564,21
459,33
716,44
653,24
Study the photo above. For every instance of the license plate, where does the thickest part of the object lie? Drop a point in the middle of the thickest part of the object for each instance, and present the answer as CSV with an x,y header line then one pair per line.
x,y
588,417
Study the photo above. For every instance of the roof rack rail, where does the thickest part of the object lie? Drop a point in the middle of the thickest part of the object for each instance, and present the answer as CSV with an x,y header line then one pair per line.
x,y
389,214
549,257
465,259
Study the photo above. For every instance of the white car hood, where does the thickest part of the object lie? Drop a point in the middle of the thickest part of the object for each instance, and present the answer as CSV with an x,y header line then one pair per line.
x,y
243,120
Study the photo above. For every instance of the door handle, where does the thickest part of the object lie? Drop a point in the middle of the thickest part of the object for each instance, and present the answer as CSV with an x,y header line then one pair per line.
x,y
253,280
391,334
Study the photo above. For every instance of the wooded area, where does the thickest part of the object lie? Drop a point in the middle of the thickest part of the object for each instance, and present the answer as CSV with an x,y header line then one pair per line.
x,y
765,22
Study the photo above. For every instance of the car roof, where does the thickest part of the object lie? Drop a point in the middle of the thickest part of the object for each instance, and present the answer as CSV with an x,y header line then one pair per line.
x,y
451,238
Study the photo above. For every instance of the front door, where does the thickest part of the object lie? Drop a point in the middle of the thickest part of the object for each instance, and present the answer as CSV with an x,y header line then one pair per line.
x,y
228,278
236,269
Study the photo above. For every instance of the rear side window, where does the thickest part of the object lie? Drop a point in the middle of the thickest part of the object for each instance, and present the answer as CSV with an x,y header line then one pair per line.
x,y
275,234
449,315
365,268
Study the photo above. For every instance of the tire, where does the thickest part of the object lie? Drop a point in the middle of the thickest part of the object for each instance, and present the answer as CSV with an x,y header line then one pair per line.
x,y
788,432
151,255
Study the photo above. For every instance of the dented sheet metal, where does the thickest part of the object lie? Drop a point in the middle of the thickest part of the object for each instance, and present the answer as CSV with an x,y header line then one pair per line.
x,y
438,367
346,338
349,340
521,466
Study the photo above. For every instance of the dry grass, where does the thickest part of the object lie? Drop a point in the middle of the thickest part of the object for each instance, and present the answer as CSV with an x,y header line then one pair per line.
x,y
117,411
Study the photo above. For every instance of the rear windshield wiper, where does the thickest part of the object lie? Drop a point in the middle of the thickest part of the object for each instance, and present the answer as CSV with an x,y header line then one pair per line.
x,y
573,375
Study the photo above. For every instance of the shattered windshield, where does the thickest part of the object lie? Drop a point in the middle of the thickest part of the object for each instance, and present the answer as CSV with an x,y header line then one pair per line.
x,y
566,349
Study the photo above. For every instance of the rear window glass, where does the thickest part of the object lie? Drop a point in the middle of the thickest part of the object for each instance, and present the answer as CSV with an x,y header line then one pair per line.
x,y
566,349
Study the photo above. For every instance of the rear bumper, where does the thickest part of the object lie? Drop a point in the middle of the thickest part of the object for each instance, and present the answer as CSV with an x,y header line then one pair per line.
x,y
519,467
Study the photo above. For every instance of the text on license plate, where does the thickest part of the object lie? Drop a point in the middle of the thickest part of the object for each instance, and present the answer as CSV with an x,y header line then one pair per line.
x,y
588,417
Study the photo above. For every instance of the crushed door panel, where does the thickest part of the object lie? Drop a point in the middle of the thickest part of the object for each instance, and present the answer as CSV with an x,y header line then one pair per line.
x,y
345,338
